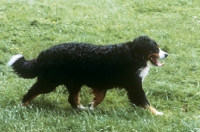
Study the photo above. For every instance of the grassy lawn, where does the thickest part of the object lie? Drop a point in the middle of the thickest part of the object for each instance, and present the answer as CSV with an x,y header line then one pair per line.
x,y
30,26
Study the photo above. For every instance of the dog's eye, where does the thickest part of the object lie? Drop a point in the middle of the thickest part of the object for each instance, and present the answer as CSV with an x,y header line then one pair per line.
x,y
157,48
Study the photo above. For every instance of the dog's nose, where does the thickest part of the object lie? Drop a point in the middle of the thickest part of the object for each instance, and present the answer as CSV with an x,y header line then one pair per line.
x,y
166,55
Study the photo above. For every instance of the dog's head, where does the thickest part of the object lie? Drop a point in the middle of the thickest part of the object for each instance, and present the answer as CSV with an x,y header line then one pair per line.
x,y
149,50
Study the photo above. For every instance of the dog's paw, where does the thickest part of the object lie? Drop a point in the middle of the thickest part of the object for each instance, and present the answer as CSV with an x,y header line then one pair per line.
x,y
23,105
81,107
159,113
90,106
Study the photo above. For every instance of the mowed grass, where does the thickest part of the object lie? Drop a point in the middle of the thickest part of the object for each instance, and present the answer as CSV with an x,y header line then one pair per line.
x,y
30,26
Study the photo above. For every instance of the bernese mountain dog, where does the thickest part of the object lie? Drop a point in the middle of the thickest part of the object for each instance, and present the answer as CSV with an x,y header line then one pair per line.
x,y
99,67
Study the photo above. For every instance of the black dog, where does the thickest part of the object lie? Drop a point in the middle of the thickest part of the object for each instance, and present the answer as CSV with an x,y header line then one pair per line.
x,y
98,67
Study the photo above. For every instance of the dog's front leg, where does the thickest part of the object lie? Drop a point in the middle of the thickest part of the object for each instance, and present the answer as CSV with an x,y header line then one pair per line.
x,y
137,97
153,110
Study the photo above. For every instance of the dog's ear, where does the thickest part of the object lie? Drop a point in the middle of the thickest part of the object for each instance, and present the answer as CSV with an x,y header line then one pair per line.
x,y
142,49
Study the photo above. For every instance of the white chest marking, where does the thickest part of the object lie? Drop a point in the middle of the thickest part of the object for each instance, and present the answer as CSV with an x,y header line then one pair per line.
x,y
143,72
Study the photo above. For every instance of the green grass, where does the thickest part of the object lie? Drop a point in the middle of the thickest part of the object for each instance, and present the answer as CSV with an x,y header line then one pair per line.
x,y
30,26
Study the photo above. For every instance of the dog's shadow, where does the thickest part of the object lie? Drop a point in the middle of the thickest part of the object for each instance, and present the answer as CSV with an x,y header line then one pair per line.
x,y
45,108
63,109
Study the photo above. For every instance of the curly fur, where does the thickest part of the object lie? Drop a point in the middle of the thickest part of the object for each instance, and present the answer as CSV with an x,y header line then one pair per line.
x,y
99,67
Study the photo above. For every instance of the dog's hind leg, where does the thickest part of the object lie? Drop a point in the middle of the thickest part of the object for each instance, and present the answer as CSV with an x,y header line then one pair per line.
x,y
73,98
98,98
37,89
31,94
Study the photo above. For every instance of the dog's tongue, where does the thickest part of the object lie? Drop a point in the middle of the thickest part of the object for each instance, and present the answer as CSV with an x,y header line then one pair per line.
x,y
154,61
159,64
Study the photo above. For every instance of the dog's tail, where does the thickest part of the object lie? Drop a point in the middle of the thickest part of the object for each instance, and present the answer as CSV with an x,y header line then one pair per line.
x,y
24,68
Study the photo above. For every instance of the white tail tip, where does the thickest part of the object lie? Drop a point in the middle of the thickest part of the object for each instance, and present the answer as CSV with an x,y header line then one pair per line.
x,y
14,59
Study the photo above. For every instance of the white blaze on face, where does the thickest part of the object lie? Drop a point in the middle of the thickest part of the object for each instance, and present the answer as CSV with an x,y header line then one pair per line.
x,y
162,54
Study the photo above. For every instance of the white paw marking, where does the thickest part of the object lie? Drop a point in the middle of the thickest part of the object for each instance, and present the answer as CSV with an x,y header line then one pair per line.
x,y
81,107
159,113
91,106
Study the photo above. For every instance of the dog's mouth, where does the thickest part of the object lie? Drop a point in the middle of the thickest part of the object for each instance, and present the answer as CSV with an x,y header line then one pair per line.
x,y
154,60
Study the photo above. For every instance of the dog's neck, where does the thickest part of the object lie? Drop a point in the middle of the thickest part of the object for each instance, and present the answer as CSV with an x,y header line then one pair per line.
x,y
144,71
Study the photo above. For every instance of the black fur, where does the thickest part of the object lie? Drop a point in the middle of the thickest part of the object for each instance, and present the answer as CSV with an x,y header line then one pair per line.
x,y
98,67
